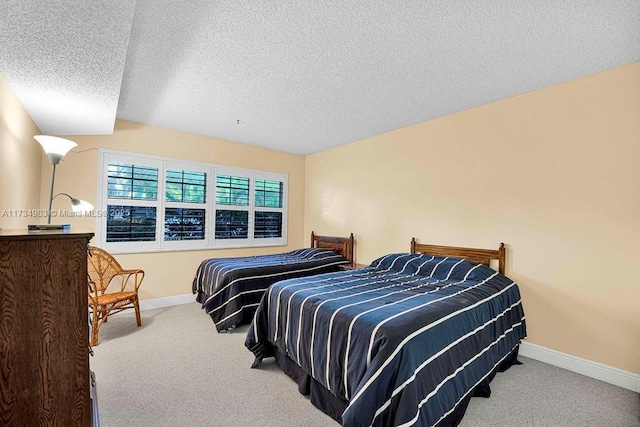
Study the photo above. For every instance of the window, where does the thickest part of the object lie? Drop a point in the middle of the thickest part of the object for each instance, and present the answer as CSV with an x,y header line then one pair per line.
x,y
268,215
131,182
268,193
131,223
150,203
250,208
267,224
185,205
232,190
232,207
232,224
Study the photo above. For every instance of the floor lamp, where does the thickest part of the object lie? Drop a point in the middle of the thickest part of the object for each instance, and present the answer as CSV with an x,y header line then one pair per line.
x,y
56,148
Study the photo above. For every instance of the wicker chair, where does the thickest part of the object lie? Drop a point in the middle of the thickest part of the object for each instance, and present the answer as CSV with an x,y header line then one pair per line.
x,y
103,269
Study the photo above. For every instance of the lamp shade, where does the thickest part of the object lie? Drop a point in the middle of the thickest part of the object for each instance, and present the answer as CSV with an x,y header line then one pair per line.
x,y
55,148
80,206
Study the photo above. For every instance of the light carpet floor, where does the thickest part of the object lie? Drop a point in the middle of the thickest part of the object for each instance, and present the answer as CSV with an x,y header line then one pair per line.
x,y
176,370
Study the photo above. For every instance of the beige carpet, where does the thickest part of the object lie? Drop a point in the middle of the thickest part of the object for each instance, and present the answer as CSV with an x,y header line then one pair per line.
x,y
176,370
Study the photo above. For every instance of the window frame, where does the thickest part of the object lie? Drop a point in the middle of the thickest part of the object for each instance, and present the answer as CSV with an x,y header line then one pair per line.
x,y
104,202
106,156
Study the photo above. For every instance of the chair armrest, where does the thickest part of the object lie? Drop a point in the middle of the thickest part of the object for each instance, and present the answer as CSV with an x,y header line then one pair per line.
x,y
92,289
137,274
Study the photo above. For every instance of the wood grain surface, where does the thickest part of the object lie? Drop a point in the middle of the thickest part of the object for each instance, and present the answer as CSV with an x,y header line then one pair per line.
x,y
44,364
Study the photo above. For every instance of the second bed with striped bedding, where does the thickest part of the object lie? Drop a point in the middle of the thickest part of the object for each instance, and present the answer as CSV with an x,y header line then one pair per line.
x,y
230,289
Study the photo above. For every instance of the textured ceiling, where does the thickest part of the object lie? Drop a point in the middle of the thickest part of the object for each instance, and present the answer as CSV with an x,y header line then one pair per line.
x,y
297,76
64,60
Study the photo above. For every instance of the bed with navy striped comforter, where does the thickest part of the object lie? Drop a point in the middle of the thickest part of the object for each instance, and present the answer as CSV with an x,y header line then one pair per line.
x,y
230,289
403,342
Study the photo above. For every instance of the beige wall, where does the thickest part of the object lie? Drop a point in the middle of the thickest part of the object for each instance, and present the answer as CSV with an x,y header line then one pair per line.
x,y
171,273
555,174
20,157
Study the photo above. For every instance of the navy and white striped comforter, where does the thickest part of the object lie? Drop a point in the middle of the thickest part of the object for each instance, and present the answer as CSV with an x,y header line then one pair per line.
x,y
404,340
230,289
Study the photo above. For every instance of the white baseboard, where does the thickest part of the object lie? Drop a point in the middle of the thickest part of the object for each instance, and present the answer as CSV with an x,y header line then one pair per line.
x,y
596,370
150,304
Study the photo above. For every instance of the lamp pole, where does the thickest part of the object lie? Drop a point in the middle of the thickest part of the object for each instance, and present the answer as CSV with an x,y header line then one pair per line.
x,y
53,179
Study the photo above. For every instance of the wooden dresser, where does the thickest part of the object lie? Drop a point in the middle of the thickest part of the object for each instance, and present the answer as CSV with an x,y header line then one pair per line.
x,y
44,332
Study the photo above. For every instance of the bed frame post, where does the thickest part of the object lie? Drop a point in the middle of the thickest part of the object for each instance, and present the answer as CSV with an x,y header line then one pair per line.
x,y
501,258
413,245
313,240
351,252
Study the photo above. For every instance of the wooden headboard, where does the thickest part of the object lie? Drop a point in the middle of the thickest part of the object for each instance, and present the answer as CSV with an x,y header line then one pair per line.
x,y
341,245
481,256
